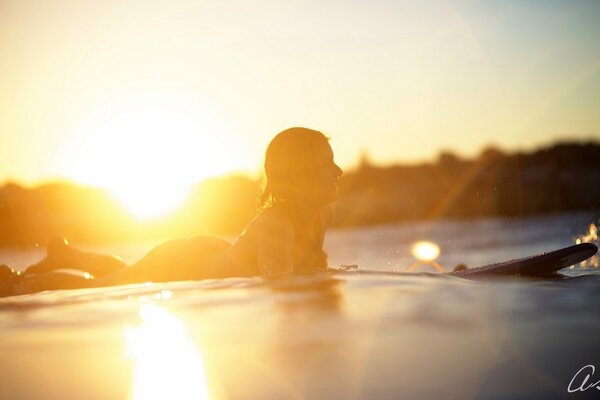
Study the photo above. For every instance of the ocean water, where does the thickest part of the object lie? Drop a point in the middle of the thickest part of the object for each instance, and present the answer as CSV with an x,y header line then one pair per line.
x,y
360,334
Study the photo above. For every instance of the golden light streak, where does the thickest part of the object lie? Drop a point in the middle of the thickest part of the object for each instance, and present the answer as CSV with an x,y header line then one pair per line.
x,y
458,188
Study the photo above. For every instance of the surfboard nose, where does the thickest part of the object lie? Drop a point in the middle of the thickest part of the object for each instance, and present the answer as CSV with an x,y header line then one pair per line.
x,y
589,249
579,252
541,265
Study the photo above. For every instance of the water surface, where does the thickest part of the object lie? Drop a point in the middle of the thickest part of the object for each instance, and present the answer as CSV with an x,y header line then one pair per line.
x,y
344,335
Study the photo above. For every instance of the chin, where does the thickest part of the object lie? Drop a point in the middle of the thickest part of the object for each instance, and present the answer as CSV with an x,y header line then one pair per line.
x,y
327,197
333,197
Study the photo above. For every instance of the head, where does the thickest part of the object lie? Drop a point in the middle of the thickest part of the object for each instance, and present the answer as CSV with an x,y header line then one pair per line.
x,y
299,169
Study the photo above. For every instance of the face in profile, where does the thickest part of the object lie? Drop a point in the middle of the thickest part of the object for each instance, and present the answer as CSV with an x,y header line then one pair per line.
x,y
324,185
299,169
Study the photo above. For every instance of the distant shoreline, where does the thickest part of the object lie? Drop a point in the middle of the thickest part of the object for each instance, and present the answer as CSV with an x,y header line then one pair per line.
x,y
562,178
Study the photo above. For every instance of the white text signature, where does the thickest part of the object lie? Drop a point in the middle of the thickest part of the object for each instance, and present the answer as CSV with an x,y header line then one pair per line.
x,y
581,378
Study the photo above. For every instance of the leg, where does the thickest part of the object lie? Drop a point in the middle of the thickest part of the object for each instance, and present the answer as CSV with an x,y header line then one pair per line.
x,y
7,274
24,284
12,283
60,255
179,259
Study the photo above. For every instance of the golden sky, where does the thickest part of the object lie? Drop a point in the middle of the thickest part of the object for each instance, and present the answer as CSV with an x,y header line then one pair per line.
x,y
169,92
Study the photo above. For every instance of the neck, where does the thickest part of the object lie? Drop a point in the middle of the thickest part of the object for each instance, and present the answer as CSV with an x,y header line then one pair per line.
x,y
304,214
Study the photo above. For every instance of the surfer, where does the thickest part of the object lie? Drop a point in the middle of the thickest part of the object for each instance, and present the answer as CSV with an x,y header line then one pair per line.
x,y
287,234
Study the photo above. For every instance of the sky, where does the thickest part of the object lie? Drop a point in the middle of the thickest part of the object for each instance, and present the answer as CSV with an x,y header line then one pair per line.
x,y
107,93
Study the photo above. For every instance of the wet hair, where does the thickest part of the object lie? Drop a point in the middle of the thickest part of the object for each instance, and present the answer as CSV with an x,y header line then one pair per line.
x,y
289,167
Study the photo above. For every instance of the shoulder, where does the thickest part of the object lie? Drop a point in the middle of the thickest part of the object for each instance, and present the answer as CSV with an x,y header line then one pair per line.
x,y
271,222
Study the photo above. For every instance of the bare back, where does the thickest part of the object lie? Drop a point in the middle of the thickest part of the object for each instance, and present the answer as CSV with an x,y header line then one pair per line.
x,y
269,245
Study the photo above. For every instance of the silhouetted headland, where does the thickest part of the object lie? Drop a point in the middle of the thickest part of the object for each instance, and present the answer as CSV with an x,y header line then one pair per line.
x,y
560,178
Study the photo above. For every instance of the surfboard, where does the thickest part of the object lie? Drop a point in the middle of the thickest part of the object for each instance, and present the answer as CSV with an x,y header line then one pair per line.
x,y
539,265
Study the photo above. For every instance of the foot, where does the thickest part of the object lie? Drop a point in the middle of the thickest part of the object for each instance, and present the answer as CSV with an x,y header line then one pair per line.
x,y
6,275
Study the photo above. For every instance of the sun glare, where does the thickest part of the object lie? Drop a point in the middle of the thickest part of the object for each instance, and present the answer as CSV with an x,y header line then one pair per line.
x,y
149,202
149,149
167,364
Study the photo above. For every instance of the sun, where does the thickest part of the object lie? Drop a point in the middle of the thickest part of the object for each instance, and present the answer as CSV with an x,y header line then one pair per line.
x,y
149,149
147,202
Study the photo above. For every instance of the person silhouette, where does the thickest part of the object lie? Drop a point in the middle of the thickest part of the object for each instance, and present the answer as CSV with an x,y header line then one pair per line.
x,y
287,234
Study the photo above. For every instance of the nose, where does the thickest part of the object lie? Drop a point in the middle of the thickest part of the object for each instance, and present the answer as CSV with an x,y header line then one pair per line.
x,y
338,170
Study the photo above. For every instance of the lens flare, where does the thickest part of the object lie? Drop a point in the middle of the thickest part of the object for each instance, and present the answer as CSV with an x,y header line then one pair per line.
x,y
425,251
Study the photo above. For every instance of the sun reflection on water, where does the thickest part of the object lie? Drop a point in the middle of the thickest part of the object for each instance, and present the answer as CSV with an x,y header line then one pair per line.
x,y
167,364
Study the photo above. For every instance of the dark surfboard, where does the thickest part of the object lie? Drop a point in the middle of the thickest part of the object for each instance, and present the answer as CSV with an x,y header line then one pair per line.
x,y
540,265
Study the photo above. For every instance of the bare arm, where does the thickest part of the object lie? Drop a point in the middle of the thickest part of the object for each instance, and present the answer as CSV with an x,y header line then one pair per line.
x,y
326,215
275,242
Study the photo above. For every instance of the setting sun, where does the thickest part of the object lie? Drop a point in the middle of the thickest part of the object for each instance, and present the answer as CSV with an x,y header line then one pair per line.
x,y
147,202
148,149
